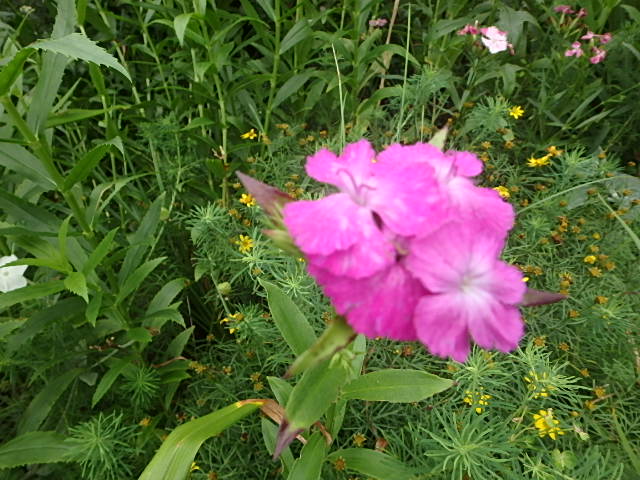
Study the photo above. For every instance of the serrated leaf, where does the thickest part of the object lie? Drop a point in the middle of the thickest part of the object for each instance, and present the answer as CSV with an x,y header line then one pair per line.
x,y
42,403
393,385
173,459
32,448
79,46
77,283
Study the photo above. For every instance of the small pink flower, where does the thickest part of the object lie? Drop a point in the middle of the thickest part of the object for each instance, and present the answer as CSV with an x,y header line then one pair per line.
x,y
379,22
575,50
599,56
581,13
494,39
564,9
605,38
589,35
469,30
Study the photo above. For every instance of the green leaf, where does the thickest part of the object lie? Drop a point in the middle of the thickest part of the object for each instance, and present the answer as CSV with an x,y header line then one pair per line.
x,y
78,46
20,160
93,308
373,464
173,459
99,252
30,292
117,367
299,32
141,240
13,69
86,164
28,215
292,324
140,335
269,433
137,277
165,295
77,283
309,465
42,403
34,447
400,386
290,87
76,114
280,388
62,242
180,24
563,460
178,343
8,325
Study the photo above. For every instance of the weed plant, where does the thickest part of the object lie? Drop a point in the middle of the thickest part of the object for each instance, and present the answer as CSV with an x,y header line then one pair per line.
x,y
108,352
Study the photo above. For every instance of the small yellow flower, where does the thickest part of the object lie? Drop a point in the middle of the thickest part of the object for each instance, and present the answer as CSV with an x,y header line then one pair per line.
x,y
585,372
601,299
503,191
486,145
282,126
540,341
509,144
596,236
194,467
590,259
546,424
359,439
574,314
258,386
554,151
145,422
250,135
564,346
227,370
595,272
247,199
245,243
599,392
516,112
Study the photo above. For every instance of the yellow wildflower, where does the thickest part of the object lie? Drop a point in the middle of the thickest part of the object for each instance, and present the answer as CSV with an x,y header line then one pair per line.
x,y
486,145
247,199
595,272
554,151
591,259
245,243
546,424
516,111
601,299
250,135
599,392
145,422
503,191
359,439
539,162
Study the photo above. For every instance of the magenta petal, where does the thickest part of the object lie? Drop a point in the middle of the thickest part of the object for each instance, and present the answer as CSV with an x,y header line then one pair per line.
x,y
322,166
348,171
332,223
363,259
500,327
508,283
467,164
440,329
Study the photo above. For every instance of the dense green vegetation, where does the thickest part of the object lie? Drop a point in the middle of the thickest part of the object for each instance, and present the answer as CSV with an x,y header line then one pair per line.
x,y
122,124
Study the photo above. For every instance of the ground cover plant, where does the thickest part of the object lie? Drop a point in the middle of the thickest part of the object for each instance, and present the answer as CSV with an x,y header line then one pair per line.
x,y
162,316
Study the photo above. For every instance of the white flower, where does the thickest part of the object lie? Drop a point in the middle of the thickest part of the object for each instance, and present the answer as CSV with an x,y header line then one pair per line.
x,y
11,277
494,39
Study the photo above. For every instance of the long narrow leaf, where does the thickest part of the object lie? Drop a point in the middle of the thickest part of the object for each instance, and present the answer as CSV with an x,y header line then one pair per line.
x,y
33,447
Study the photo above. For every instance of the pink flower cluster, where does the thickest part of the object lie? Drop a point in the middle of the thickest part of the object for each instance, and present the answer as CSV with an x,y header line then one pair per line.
x,y
492,37
409,246
599,54
567,10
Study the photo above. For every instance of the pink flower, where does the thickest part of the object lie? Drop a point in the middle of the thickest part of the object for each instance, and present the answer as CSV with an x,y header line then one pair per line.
x,y
468,29
472,294
494,39
599,56
605,38
581,13
575,50
564,9
379,22
589,35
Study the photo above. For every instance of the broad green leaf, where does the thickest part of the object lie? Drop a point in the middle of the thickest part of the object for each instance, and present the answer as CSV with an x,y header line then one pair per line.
x,y
173,459
165,296
93,308
42,403
299,32
180,24
85,165
77,283
141,240
392,385
159,318
373,464
140,335
309,465
45,318
99,252
292,324
13,69
30,292
117,367
78,46
178,343
563,460
280,388
8,325
137,277
34,447
290,87
269,434
28,215
20,160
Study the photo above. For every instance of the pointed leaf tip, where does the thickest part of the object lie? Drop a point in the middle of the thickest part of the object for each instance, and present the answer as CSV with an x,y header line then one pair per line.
x,y
540,297
285,437
268,197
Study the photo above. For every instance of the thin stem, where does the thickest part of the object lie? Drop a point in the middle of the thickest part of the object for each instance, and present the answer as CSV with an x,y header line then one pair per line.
x,y
406,68
276,66
343,138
